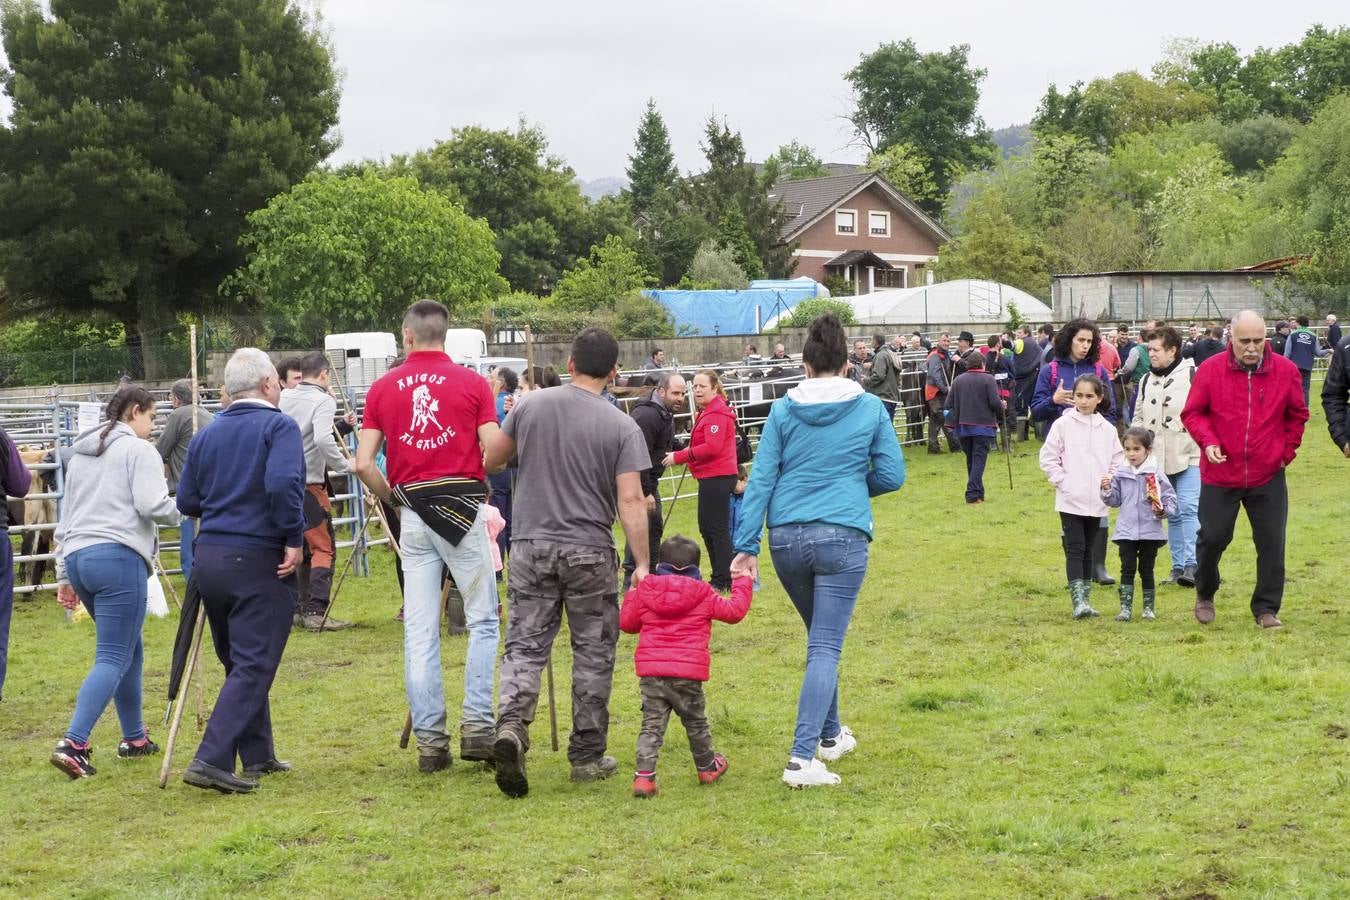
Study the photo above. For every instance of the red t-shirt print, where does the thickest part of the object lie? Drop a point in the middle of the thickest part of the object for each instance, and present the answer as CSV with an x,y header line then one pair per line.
x,y
429,409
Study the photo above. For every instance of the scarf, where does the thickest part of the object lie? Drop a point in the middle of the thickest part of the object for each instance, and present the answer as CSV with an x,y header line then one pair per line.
x,y
448,506
1168,370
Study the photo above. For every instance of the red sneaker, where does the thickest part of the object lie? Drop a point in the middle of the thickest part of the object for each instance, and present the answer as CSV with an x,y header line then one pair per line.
x,y
644,785
713,772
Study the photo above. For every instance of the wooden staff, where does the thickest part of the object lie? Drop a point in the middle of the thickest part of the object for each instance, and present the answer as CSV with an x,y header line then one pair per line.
x,y
548,664
194,658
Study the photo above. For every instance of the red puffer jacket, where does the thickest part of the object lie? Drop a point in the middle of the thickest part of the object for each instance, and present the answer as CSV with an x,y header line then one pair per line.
x,y
1256,418
672,617
712,445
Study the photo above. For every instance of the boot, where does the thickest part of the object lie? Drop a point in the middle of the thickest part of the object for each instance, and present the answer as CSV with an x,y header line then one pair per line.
x,y
1022,428
1126,603
1099,573
1080,590
1148,604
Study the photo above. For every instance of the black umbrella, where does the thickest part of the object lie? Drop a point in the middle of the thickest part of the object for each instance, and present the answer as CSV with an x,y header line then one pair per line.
x,y
182,642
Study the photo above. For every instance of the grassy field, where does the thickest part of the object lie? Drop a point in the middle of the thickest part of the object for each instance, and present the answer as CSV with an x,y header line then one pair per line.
x,y
1004,750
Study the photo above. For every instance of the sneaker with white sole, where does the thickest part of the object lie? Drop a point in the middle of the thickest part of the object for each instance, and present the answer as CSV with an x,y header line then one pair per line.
x,y
802,773
831,749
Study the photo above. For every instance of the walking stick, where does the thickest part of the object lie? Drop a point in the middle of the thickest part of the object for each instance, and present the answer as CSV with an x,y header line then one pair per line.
x,y
194,660
1008,447
679,484
552,704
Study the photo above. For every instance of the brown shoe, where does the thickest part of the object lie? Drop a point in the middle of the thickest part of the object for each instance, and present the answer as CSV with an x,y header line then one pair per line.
x,y
1204,610
1268,620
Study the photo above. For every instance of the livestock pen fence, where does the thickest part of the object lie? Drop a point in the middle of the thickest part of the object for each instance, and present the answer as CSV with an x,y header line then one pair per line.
x,y
49,423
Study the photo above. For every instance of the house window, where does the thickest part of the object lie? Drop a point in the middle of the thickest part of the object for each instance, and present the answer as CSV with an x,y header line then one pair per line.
x,y
845,221
879,224
890,278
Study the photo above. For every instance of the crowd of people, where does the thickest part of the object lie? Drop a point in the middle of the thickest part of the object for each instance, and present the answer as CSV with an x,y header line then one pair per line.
x,y
468,471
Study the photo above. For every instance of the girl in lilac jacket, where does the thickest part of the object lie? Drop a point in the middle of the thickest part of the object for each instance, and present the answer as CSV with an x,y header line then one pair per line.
x,y
1144,496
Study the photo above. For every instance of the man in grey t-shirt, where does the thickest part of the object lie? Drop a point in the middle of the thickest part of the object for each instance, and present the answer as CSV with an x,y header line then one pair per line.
x,y
580,462
173,447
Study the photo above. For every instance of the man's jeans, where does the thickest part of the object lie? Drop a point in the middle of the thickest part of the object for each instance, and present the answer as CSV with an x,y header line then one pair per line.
x,y
187,536
110,580
821,568
544,579
425,553
1268,512
655,525
1185,522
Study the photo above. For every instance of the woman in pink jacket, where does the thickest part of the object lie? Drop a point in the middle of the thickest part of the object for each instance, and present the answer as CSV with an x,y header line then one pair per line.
x,y
711,458
1080,449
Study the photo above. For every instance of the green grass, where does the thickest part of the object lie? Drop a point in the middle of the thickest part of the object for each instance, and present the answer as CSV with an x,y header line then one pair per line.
x,y
1005,750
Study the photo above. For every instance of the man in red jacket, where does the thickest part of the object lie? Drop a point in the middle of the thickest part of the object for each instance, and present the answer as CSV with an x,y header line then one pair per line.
x,y
1246,411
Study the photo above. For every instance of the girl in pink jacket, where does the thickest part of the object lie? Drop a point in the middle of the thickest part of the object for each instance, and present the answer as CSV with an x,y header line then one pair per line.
x,y
1080,449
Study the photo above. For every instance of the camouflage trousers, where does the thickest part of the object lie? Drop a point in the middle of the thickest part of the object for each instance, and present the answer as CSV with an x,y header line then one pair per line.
x,y
545,579
684,697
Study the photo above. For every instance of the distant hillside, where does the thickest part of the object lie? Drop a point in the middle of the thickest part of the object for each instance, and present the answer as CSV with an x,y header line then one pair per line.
x,y
601,187
1012,138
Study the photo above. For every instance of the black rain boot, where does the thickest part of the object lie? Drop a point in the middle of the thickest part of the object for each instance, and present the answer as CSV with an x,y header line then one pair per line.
x,y
1022,428
1099,573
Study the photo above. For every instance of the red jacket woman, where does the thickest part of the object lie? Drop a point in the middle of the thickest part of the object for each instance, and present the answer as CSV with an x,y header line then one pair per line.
x,y
711,457
712,444
672,616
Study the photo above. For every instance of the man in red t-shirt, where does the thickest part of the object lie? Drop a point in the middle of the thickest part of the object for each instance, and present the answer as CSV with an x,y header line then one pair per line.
x,y
433,417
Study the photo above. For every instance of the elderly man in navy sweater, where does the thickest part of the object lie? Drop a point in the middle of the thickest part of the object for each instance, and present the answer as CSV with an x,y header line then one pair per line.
x,y
245,480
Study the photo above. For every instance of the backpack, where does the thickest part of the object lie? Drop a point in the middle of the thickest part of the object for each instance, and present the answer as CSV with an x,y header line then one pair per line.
x,y
1097,368
744,452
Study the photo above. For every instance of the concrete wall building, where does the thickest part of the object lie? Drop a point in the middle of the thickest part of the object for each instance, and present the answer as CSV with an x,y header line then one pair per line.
x,y
1191,296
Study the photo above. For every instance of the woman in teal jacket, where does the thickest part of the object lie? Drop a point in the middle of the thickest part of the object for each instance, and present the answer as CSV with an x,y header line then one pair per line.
x,y
826,448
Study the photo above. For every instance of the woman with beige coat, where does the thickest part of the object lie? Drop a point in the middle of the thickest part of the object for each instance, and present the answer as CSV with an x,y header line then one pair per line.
x,y
1162,395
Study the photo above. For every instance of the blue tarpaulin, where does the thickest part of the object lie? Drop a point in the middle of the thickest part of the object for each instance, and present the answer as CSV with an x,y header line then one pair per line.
x,y
728,312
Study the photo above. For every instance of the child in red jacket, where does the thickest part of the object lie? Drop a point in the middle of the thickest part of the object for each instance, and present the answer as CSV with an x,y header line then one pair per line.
x,y
671,611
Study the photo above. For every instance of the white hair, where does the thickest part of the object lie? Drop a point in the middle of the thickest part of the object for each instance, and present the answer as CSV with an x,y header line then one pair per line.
x,y
246,370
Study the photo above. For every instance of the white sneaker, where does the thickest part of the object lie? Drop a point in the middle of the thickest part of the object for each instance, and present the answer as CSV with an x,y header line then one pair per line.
x,y
802,773
843,742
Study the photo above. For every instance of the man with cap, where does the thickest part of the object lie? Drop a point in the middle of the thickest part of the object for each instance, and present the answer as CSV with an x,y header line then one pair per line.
x,y
173,448
965,349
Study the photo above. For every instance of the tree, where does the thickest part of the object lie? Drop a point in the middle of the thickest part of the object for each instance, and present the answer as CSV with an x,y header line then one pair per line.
x,y
1064,166
141,136
715,268
729,180
1292,81
992,246
529,198
926,100
651,168
904,166
794,162
1111,107
350,253
806,311
612,270
1201,216
732,236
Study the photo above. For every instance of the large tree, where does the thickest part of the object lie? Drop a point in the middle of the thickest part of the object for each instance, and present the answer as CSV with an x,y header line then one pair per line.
x,y
729,179
349,253
794,161
926,100
142,134
651,168
530,199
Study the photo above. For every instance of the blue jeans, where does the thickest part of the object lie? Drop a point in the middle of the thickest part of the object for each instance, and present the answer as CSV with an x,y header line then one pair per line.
x,y
1185,524
821,568
110,580
425,554
187,536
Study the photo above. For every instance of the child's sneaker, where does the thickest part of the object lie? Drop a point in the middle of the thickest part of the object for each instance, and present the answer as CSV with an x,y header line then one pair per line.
x,y
714,771
72,759
143,747
644,785
802,773
831,749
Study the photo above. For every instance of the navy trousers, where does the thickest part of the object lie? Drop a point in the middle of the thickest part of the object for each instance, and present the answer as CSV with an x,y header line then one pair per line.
x,y
6,602
250,612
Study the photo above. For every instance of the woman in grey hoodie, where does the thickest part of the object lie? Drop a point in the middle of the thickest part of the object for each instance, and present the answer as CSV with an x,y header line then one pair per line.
x,y
115,495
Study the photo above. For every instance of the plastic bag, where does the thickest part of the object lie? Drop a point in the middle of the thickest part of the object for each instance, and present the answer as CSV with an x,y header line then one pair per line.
x,y
155,603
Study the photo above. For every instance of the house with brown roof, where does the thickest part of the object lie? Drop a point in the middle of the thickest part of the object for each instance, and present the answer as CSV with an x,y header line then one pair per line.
x,y
859,227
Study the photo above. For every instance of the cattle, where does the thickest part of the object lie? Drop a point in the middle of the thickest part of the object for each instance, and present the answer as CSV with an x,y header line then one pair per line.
x,y
36,511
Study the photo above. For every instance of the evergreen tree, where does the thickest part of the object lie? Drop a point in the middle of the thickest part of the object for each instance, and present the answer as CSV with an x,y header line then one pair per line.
x,y
141,135
732,235
651,168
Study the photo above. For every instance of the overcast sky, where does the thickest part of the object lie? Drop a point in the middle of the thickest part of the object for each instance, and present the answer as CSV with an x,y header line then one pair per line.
x,y
415,69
